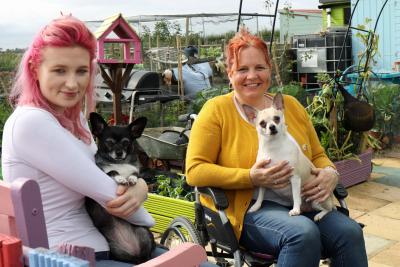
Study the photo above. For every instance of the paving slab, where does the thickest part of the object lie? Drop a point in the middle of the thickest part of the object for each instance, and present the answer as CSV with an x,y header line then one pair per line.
x,y
375,264
363,202
375,175
391,210
381,226
375,244
354,214
389,256
377,190
387,162
389,175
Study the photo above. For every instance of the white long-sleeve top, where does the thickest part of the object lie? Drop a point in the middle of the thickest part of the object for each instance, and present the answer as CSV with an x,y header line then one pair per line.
x,y
36,146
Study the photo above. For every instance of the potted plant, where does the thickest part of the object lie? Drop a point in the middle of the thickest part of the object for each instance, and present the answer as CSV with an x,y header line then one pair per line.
x,y
350,151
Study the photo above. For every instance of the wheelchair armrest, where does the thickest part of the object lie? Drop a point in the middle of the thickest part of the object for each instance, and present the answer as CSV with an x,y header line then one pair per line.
x,y
217,195
340,191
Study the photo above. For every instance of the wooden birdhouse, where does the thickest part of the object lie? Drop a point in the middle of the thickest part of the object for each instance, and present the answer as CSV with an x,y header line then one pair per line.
x,y
118,50
117,42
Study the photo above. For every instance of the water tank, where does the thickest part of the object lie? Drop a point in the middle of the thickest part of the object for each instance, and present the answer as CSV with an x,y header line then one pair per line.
x,y
319,53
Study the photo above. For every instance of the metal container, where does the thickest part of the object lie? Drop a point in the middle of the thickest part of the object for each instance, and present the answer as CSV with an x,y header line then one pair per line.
x,y
159,143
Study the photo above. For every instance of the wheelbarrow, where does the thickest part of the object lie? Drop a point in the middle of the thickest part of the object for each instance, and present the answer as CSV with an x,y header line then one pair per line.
x,y
167,144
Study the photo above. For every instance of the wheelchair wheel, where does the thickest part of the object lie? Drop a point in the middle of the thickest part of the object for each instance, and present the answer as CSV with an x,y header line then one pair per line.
x,y
180,230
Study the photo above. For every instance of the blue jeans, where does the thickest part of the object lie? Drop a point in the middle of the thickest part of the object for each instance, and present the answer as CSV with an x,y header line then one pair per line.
x,y
297,241
157,252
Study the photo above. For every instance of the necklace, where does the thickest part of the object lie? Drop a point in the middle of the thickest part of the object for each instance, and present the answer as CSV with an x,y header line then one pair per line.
x,y
265,103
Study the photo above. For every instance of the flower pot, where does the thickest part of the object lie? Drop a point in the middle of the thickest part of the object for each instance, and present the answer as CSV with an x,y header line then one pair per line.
x,y
165,209
354,171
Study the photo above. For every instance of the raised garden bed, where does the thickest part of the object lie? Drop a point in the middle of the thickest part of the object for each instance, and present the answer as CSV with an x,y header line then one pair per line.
x,y
165,209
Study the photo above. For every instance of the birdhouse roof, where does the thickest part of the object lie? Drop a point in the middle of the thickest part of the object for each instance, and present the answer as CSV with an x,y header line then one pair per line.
x,y
118,25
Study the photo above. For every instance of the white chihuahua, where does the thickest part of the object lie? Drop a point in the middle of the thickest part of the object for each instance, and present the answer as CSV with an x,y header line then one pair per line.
x,y
276,143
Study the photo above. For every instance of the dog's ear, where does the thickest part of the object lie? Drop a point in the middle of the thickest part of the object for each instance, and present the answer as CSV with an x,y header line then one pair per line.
x,y
97,123
137,126
277,102
251,113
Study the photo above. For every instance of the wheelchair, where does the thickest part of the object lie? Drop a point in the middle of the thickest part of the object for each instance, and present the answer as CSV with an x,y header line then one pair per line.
x,y
213,231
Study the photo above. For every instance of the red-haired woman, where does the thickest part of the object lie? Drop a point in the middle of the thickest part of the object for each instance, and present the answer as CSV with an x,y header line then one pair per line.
x,y
222,153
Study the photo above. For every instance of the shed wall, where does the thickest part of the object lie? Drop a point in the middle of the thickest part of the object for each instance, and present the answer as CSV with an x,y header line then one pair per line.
x,y
388,29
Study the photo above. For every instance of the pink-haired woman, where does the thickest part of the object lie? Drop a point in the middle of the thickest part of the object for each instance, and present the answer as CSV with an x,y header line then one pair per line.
x,y
47,138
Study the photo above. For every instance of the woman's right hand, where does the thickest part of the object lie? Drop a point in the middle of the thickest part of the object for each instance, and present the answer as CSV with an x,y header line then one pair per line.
x,y
275,176
128,200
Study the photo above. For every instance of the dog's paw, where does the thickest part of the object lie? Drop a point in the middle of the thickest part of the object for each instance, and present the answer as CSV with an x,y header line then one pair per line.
x,y
121,180
320,215
132,179
294,212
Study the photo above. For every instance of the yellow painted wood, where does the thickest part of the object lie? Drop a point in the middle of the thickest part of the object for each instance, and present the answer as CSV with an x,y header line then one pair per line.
x,y
165,209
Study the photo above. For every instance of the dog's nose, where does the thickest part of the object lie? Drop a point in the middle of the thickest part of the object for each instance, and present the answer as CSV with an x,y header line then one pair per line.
x,y
272,129
119,153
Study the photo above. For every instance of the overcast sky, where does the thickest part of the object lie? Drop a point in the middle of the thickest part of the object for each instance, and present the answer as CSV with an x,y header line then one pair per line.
x,y
21,19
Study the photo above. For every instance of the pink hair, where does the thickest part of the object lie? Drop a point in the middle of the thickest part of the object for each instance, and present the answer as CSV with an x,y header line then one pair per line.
x,y
243,39
65,31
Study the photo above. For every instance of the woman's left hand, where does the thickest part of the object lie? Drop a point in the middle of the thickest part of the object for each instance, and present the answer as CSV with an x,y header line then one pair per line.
x,y
320,188
128,200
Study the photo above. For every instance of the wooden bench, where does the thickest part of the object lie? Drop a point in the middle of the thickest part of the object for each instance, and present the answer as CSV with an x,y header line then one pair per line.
x,y
21,216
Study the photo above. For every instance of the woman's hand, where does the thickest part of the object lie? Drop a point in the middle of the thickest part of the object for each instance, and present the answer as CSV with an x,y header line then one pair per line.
x,y
276,176
128,200
322,186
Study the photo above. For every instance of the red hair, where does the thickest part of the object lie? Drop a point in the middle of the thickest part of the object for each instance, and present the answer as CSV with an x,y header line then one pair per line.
x,y
243,39
65,31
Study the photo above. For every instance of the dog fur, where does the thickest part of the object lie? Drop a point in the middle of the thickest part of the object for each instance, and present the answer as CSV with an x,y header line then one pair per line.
x,y
117,156
276,143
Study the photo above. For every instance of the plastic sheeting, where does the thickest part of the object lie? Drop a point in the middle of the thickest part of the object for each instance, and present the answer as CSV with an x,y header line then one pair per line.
x,y
196,77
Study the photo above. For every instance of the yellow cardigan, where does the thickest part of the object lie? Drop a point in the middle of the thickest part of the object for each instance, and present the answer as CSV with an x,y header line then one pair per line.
x,y
223,147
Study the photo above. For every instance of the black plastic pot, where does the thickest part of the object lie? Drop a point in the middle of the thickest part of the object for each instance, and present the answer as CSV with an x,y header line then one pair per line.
x,y
359,116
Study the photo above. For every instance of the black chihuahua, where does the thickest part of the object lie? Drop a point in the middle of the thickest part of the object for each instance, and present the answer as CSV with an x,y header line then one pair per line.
x,y
118,156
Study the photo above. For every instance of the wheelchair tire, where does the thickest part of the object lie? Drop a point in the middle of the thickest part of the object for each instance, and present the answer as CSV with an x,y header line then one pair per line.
x,y
180,230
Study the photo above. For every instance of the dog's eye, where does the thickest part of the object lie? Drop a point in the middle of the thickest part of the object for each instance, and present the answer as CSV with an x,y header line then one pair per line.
x,y
125,142
109,142
263,124
277,119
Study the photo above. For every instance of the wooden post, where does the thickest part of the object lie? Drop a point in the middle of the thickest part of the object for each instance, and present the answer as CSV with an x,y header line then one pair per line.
x,y
118,77
158,65
276,66
204,33
187,32
199,46
180,78
149,41
258,33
